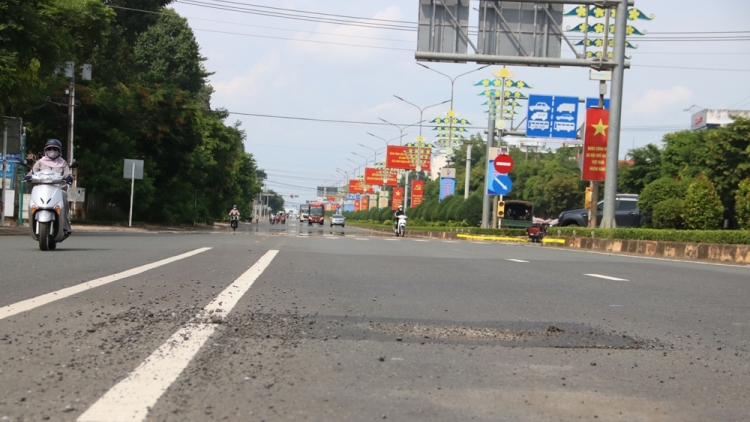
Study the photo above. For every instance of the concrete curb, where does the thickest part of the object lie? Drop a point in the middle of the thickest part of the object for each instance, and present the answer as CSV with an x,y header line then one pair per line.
x,y
707,252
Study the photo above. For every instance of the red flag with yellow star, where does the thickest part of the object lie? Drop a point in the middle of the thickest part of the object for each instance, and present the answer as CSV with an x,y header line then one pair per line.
x,y
595,145
398,198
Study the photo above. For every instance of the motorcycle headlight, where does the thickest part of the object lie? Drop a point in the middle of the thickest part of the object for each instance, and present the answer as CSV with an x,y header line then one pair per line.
x,y
46,179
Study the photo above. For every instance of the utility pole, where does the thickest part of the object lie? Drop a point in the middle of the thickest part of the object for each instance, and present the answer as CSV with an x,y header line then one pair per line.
x,y
490,136
86,76
594,186
468,171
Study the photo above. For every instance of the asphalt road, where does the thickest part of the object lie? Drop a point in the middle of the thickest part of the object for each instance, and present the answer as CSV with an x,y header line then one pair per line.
x,y
290,322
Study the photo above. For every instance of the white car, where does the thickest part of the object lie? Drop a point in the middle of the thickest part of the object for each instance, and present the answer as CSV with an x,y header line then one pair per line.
x,y
540,107
567,117
539,116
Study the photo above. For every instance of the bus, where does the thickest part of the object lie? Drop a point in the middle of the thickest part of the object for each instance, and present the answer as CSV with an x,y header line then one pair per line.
x,y
317,213
304,213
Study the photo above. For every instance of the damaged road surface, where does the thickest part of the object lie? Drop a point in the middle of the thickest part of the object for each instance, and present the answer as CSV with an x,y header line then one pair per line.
x,y
309,324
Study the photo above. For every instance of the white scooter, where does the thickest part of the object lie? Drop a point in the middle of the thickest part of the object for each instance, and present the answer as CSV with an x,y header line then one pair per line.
x,y
46,209
233,221
401,226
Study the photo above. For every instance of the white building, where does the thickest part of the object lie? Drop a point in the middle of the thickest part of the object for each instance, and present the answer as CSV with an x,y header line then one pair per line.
x,y
710,119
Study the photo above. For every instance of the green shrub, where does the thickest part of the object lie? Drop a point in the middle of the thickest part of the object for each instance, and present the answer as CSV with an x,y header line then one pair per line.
x,y
471,210
742,204
667,214
442,210
660,190
702,207
733,237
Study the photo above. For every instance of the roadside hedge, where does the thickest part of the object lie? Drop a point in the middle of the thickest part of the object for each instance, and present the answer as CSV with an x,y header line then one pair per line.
x,y
466,230
730,237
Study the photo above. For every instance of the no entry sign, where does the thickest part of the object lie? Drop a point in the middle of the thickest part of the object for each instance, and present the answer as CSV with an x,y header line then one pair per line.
x,y
503,163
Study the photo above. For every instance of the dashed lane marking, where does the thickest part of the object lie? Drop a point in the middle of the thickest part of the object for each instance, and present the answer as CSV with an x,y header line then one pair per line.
x,y
44,299
516,260
133,397
606,277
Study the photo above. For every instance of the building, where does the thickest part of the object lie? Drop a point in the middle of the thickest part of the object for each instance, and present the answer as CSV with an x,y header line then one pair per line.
x,y
710,119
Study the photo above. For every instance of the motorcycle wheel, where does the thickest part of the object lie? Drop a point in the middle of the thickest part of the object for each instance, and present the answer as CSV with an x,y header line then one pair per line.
x,y
44,241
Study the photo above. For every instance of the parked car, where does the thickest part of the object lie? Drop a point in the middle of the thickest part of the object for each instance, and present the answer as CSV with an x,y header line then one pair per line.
x,y
627,213
338,220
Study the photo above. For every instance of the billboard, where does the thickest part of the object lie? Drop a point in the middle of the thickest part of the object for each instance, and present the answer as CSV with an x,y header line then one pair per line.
x,y
374,176
357,186
401,157
595,145
516,29
324,191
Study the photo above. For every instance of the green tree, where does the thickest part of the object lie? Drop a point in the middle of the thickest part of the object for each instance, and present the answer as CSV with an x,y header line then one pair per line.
x,y
702,208
742,204
660,190
471,210
645,169
667,214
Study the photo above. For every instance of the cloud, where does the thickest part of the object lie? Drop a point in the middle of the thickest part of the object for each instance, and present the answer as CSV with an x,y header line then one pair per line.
x,y
254,85
660,101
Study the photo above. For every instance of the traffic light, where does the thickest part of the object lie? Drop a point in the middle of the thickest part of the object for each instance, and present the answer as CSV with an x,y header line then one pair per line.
x,y
587,199
500,209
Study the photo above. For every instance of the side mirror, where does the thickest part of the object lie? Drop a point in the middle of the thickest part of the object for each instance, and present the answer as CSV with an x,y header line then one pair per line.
x,y
74,164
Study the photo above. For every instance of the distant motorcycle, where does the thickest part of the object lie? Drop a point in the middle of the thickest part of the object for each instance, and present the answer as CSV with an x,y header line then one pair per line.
x,y
283,218
271,219
233,221
401,226
46,209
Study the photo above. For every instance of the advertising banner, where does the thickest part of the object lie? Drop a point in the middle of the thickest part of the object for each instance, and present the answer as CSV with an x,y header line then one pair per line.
x,y
383,199
595,145
374,176
417,193
398,198
447,188
400,157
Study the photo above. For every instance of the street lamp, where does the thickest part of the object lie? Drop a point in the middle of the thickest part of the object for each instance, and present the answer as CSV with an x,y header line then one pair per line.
x,y
421,110
452,112
374,151
367,160
400,128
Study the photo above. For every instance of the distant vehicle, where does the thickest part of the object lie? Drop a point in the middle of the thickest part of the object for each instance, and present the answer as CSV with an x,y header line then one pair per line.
x,y
517,214
338,220
317,213
626,213
304,213
566,108
539,116
540,107
567,117
565,127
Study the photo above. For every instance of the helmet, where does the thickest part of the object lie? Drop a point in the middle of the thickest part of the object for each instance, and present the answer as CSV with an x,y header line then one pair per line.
x,y
400,207
53,143
234,206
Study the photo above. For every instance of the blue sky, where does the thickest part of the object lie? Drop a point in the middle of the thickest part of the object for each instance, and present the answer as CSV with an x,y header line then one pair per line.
x,y
288,67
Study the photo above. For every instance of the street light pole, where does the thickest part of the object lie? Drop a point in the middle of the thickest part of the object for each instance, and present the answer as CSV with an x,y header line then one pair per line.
x,y
452,112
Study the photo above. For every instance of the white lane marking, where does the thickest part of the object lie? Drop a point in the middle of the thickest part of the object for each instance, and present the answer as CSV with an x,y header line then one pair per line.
x,y
133,397
606,277
516,260
330,237
420,240
29,304
360,238
391,239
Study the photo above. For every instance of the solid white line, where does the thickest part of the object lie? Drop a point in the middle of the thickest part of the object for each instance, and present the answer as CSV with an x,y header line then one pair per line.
x,y
516,260
133,397
44,299
606,277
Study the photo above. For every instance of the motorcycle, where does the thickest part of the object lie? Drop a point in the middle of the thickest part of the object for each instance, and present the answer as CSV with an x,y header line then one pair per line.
x,y
283,218
46,209
401,226
271,219
233,221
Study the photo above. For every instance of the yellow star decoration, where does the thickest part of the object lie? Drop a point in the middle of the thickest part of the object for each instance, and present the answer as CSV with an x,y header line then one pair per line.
x,y
581,11
633,14
599,28
599,12
600,128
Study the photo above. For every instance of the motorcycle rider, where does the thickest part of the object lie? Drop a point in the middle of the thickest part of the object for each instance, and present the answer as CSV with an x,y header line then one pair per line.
x,y
399,212
235,211
52,160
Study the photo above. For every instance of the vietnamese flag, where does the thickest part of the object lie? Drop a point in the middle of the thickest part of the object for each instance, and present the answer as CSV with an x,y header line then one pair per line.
x,y
595,145
417,193
398,198
356,204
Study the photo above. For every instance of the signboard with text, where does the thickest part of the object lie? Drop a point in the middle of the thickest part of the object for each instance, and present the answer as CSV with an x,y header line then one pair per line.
x,y
417,193
357,186
401,157
398,198
595,145
375,176
365,202
447,188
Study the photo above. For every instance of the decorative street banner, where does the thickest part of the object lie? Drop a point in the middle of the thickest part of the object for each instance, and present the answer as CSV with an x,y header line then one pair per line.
x,y
447,187
357,203
365,203
357,186
595,145
374,176
398,198
383,199
403,157
417,193
373,201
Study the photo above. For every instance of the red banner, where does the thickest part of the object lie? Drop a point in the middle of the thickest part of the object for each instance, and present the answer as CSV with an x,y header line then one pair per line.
x,y
357,186
374,176
398,198
595,145
330,198
417,193
365,203
406,158
357,204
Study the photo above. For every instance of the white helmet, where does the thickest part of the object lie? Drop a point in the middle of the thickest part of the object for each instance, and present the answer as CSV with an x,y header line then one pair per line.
x,y
400,207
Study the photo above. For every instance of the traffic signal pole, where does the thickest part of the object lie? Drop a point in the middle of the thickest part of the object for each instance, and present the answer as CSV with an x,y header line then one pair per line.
x,y
486,206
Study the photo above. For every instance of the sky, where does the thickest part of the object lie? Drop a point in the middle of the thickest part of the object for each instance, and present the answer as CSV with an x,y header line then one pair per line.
x,y
280,77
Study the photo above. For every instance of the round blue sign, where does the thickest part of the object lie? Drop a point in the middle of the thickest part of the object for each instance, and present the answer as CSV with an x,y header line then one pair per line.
x,y
500,184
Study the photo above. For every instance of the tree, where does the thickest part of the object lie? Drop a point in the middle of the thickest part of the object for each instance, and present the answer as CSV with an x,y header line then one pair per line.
x,y
702,208
667,214
660,190
645,169
742,204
